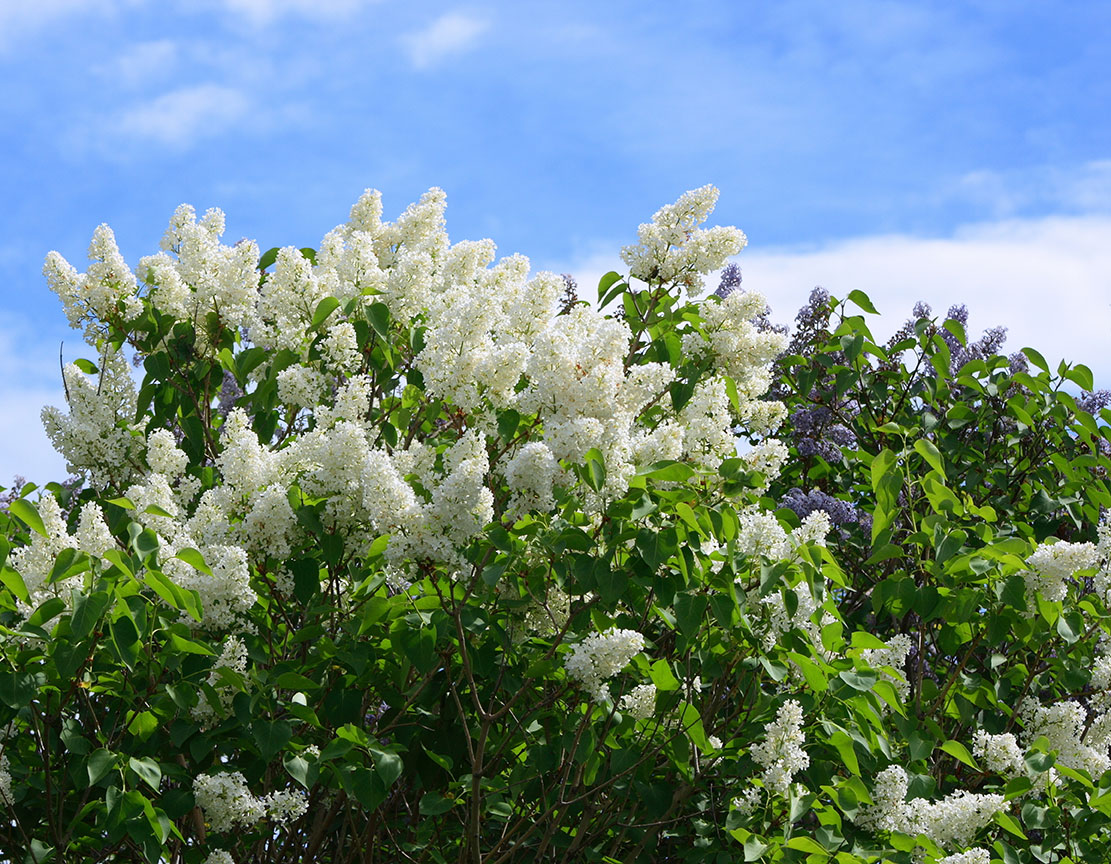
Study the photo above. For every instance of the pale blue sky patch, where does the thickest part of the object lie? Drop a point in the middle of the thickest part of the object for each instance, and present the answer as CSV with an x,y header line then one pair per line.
x,y
863,138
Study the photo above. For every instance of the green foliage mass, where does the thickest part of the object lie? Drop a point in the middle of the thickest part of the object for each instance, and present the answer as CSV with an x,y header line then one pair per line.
x,y
425,710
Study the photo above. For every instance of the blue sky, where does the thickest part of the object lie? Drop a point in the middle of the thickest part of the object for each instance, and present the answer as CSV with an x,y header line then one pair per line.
x,y
952,152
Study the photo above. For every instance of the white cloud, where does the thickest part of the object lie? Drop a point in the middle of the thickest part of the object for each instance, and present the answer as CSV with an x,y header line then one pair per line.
x,y
143,63
1047,280
1080,188
261,12
19,18
181,117
452,33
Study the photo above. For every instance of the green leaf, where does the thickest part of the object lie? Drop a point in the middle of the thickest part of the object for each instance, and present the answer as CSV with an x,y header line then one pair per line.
x,y
508,421
882,465
14,583
811,671
419,645
379,316
28,515
595,469
49,608
689,610
299,769
99,763
957,750
143,725
387,765
930,453
323,309
87,609
860,680
294,681
267,258
116,557
434,804
188,646
843,743
1036,358
609,286
863,301
804,843
271,737
144,542
1081,375
194,559
86,366
662,676
147,769
1009,823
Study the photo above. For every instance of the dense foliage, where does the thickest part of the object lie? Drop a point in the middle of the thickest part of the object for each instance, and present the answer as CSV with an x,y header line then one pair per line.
x,y
396,555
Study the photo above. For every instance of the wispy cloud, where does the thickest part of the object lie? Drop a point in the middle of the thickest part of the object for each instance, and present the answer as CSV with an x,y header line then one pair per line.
x,y
143,63
181,117
1077,188
18,18
451,34
263,12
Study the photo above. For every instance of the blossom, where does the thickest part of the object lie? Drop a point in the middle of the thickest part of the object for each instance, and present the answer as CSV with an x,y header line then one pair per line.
x,y
893,656
95,437
640,702
976,855
1000,753
226,801
1051,564
673,249
600,656
951,821
780,754
234,658
5,781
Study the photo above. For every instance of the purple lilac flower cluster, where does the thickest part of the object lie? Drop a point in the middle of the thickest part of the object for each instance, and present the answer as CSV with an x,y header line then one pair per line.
x,y
12,492
840,512
818,433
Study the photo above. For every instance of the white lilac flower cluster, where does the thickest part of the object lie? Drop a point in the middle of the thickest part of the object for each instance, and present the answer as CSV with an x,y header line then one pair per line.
x,y
227,802
233,657
731,336
674,250
600,656
975,855
1000,753
760,533
94,437
35,561
1053,564
219,857
105,293
1080,744
549,617
494,338
745,804
780,754
640,702
893,656
952,821
778,621
5,781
